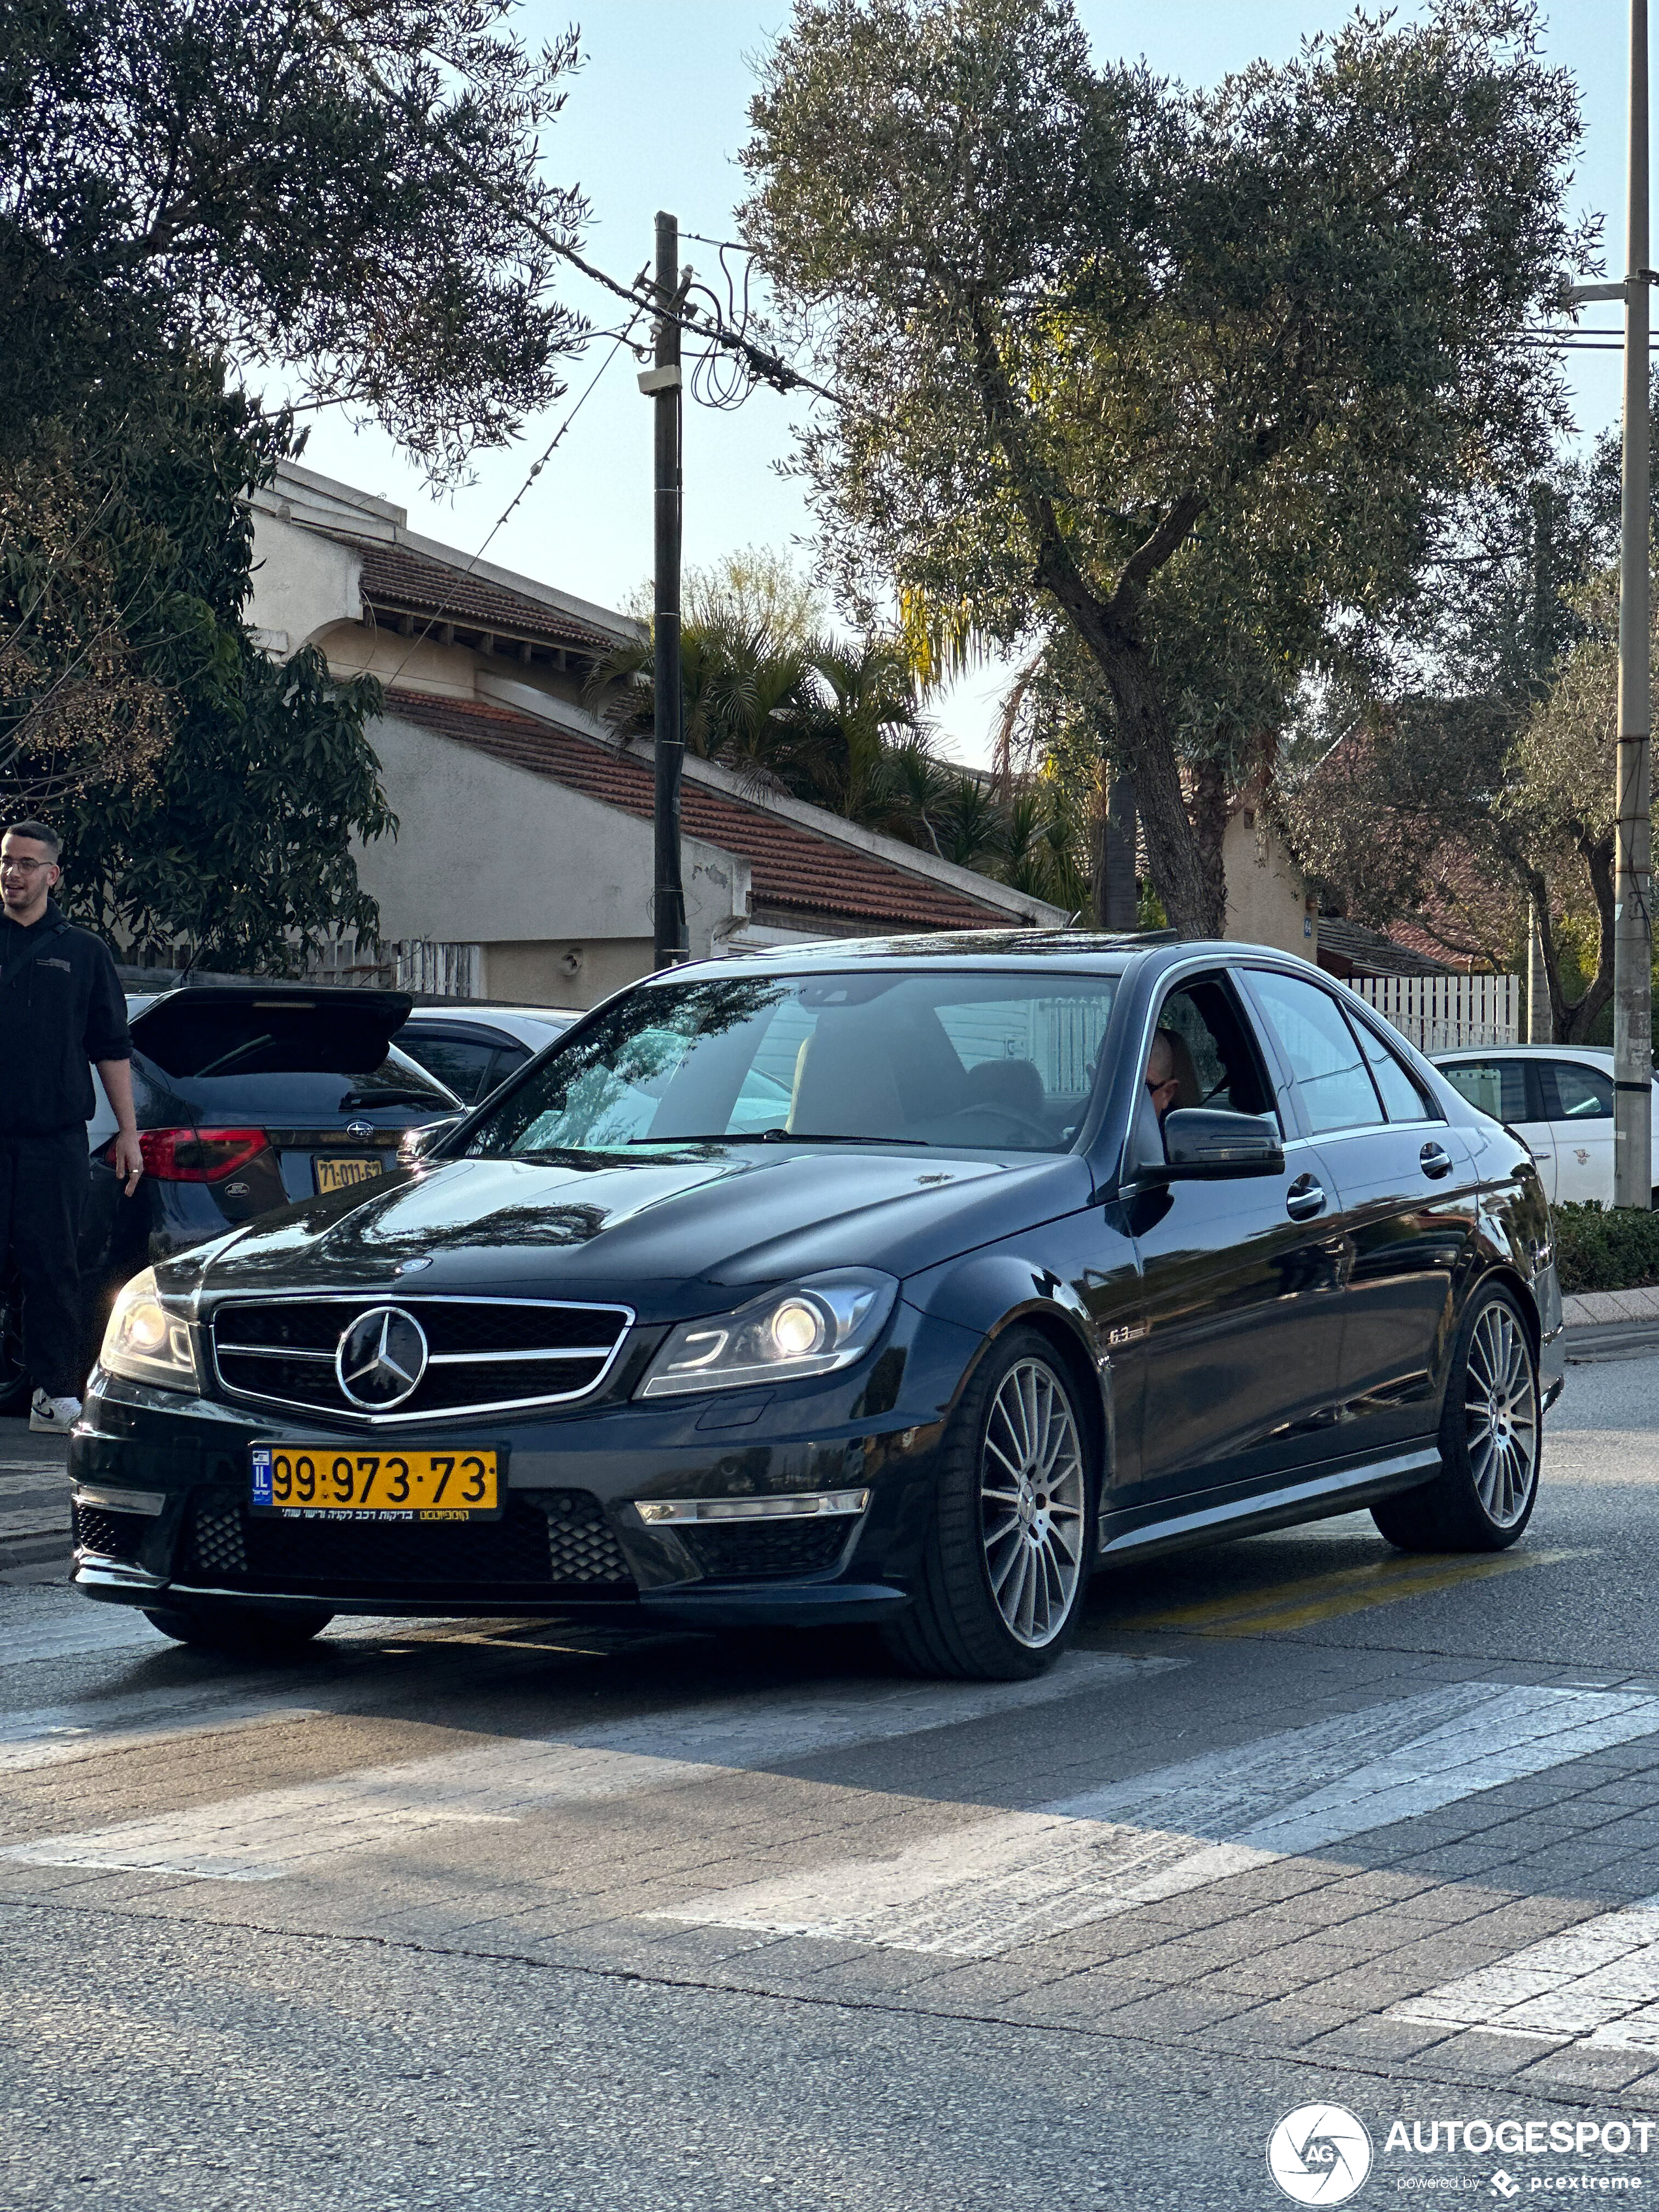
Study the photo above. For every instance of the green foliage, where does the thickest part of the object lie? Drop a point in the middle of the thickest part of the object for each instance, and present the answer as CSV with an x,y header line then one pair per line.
x,y
1200,377
1606,1247
206,793
348,194
841,727
350,190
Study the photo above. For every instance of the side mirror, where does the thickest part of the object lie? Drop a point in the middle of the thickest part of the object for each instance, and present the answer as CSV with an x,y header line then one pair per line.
x,y
415,1143
1201,1144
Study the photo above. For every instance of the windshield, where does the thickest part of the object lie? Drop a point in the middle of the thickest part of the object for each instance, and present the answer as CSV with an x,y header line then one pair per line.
x,y
1004,1061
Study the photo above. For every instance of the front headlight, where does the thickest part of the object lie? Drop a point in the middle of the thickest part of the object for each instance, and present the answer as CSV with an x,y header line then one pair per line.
x,y
147,1339
814,1327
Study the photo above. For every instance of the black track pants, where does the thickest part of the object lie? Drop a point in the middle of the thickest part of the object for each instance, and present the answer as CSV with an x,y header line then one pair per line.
x,y
43,1190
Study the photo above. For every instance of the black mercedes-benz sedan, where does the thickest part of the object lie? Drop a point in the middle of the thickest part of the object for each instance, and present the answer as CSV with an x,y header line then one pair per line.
x,y
901,1282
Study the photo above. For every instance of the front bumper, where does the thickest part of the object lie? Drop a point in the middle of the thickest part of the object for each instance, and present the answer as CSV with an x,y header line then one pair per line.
x,y
162,1486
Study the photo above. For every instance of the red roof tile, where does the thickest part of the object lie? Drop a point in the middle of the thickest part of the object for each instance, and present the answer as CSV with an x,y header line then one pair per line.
x,y
398,576
790,868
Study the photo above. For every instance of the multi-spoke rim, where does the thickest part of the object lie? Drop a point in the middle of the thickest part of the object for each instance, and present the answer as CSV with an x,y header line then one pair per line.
x,y
1500,1404
1032,1494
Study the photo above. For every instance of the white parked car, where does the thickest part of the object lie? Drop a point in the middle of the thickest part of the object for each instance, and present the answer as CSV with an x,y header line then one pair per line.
x,y
472,1047
1558,1098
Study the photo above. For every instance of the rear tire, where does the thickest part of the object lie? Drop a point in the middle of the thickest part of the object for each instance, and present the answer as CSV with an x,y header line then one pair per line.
x,y
245,1631
1490,1436
1013,1536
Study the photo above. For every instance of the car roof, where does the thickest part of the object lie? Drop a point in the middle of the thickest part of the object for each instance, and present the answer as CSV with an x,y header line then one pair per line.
x,y
1086,951
1597,1055
534,1026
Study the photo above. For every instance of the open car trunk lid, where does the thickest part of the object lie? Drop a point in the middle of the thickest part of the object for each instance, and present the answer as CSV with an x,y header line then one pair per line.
x,y
314,1069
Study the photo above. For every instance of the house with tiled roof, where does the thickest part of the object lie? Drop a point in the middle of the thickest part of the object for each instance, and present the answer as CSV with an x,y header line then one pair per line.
x,y
522,866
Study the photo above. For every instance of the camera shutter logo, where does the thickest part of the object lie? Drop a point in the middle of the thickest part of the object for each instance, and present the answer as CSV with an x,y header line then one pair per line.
x,y
381,1358
1319,2154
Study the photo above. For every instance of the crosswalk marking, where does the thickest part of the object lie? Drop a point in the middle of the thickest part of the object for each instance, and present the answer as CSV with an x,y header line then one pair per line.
x,y
1310,1599
1597,1984
1021,1876
269,1834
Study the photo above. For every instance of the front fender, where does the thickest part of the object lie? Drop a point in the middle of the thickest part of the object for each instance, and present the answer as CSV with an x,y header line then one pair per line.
x,y
1082,1290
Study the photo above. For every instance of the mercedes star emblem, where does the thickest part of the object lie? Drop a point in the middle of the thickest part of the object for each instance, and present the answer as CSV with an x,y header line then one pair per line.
x,y
381,1358
359,1131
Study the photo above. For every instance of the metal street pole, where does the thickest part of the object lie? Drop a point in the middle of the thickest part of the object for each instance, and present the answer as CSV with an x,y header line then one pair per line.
x,y
662,383
1632,972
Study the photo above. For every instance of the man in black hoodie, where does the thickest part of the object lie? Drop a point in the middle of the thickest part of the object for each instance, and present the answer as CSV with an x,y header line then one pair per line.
x,y
61,1010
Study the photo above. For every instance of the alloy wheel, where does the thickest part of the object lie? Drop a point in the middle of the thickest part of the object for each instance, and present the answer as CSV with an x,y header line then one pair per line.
x,y
1032,1498
1500,1403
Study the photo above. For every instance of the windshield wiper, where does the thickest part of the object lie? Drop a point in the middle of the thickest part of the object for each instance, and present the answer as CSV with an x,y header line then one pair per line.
x,y
779,1137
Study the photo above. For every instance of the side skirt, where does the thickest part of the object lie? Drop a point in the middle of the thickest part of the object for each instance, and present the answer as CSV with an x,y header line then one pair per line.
x,y
1318,1500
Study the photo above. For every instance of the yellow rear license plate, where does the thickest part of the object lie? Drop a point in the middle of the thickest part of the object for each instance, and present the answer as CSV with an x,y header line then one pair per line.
x,y
340,1172
326,1482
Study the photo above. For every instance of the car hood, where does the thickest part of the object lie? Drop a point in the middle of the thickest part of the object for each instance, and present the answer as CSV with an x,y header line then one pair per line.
x,y
667,1237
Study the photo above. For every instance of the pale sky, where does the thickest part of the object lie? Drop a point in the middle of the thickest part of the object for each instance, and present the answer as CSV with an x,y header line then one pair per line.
x,y
655,120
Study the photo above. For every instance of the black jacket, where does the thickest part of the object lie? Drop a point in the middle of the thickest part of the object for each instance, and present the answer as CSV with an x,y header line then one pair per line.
x,y
61,1011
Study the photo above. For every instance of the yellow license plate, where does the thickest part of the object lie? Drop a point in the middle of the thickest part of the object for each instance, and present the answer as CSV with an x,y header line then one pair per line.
x,y
328,1482
340,1172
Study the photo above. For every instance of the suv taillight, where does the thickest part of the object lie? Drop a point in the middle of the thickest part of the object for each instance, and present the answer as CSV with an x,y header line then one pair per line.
x,y
197,1155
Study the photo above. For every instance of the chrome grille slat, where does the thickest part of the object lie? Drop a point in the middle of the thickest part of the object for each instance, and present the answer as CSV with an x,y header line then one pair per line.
x,y
291,1369
539,1352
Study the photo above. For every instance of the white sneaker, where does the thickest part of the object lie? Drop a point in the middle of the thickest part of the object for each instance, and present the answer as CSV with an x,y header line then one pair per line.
x,y
53,1417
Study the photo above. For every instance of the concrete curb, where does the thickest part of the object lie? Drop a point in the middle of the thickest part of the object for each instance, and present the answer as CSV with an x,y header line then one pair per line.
x,y
1594,1308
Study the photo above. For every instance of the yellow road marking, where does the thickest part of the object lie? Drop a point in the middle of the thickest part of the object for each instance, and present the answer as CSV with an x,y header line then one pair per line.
x,y
1314,1598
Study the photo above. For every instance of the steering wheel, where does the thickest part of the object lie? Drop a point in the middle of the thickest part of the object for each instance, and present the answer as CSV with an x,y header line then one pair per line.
x,y
1045,1135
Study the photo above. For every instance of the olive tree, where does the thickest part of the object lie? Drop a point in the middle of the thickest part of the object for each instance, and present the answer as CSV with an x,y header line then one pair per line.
x,y
1198,375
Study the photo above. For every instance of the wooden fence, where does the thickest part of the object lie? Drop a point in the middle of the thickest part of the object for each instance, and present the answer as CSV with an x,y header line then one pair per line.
x,y
1443,1013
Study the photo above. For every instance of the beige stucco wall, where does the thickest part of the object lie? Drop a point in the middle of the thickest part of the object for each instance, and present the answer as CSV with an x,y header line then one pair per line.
x,y
1266,896
491,855
301,583
554,973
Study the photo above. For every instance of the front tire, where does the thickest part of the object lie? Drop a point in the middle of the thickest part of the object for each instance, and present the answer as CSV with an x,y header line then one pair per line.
x,y
1490,1433
1008,1553
244,1632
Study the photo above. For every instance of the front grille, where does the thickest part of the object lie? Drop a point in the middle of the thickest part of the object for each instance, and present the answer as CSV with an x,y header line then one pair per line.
x,y
484,1353
559,1542
769,1551
112,1535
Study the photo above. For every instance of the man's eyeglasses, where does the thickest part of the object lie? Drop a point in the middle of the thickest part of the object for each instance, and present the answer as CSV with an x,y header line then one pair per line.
x,y
11,865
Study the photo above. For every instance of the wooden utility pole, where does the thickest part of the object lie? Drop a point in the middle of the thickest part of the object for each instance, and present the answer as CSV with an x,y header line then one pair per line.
x,y
662,384
1632,971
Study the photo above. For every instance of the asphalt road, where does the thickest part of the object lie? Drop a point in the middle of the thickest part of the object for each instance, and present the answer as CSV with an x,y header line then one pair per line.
x,y
500,1915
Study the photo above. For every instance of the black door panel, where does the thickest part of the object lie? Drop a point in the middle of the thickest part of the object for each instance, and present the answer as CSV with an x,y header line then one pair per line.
x,y
1243,1311
1409,1224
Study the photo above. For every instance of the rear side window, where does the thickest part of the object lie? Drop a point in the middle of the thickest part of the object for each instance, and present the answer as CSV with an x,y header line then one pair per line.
x,y
1336,1090
463,1063
1581,1094
1402,1099
1498,1087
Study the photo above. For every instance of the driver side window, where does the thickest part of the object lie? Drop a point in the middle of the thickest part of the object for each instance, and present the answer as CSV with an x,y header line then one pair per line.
x,y
1213,1055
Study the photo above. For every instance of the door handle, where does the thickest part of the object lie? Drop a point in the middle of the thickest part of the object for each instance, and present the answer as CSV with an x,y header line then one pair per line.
x,y
1304,1199
1435,1161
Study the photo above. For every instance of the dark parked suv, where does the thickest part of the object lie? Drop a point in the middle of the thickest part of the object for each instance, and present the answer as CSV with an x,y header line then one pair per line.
x,y
901,1282
248,1097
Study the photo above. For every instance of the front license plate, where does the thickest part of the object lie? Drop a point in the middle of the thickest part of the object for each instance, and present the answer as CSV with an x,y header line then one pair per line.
x,y
341,1171
326,1482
